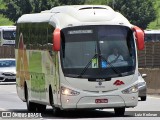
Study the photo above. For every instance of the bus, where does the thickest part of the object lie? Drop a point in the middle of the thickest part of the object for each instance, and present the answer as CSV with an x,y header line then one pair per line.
x,y
7,35
152,35
62,59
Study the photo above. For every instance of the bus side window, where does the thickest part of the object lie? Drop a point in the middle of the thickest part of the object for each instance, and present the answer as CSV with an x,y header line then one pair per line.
x,y
0,36
50,33
158,37
43,37
50,43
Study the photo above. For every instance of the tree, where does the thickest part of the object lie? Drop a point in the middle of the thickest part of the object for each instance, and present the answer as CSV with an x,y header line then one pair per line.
x,y
71,2
138,12
15,8
41,5
96,2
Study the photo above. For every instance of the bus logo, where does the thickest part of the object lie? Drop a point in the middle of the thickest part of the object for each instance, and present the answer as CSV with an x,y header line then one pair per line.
x,y
100,80
100,83
118,83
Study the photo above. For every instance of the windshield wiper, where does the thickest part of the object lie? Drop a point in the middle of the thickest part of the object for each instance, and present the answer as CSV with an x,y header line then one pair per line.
x,y
86,67
112,66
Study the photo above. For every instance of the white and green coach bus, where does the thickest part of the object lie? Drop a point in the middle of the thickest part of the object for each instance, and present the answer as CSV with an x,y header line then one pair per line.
x,y
62,59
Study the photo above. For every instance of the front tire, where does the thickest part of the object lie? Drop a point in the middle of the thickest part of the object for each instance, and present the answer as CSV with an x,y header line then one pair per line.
x,y
30,105
56,111
119,111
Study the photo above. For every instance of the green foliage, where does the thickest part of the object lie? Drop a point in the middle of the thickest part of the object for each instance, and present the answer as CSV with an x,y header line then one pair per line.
x,y
71,2
1,4
138,12
41,5
15,8
96,2
156,23
5,21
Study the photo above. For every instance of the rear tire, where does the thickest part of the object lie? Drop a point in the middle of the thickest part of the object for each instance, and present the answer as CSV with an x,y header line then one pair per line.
x,y
41,108
119,111
30,105
143,98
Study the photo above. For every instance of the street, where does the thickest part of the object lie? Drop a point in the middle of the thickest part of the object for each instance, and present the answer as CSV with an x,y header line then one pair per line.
x,y
10,102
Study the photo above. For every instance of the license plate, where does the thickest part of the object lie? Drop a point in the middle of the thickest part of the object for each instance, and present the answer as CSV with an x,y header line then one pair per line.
x,y
11,77
101,100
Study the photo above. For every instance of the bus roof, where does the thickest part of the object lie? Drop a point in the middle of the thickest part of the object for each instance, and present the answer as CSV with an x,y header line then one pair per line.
x,y
37,17
7,27
152,31
77,14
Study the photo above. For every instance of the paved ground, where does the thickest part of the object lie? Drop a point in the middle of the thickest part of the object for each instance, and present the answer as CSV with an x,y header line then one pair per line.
x,y
10,102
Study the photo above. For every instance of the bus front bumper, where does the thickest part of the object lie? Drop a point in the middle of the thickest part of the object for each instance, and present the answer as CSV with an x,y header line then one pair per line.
x,y
99,102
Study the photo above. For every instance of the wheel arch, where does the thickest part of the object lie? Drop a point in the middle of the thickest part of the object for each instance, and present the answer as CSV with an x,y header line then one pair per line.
x,y
25,90
51,101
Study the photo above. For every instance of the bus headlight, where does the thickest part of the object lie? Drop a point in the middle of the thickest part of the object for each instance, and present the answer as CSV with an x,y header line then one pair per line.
x,y
130,90
69,92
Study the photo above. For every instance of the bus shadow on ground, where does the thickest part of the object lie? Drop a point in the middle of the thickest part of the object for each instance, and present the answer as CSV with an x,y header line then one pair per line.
x,y
76,114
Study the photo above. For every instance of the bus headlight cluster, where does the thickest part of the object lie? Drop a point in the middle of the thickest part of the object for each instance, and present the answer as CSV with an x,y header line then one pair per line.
x,y
69,92
130,90
141,84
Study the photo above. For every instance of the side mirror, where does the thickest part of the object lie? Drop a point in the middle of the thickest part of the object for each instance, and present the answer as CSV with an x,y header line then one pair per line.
x,y
139,34
144,75
56,39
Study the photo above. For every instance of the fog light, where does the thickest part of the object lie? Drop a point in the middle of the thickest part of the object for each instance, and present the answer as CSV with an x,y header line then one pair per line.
x,y
67,100
133,98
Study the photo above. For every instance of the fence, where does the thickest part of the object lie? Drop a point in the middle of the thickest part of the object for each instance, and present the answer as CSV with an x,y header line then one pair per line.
x,y
149,63
152,80
7,52
150,56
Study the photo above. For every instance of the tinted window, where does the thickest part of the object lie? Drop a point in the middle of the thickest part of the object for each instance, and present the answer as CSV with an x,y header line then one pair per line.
x,y
9,35
90,47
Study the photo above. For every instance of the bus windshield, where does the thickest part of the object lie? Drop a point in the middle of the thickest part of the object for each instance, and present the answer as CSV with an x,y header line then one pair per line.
x,y
97,51
9,35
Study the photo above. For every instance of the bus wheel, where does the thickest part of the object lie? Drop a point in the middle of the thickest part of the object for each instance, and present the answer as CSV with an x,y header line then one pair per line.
x,y
41,108
119,111
56,110
143,98
30,105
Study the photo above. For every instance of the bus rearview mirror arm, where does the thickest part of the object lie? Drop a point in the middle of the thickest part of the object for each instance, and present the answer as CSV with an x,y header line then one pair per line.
x,y
139,34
